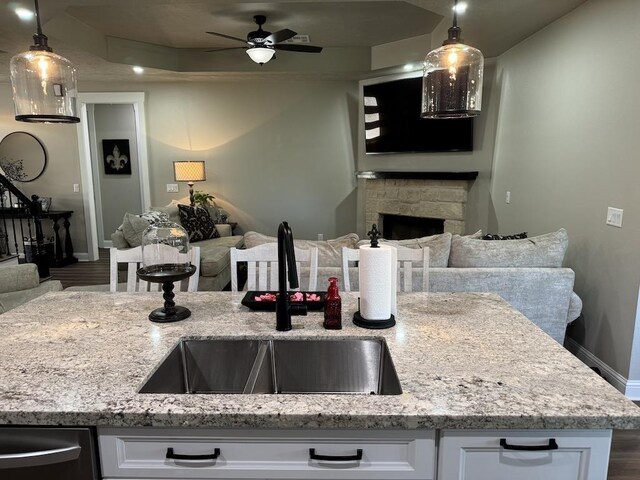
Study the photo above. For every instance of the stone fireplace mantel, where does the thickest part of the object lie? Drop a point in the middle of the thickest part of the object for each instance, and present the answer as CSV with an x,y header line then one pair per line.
x,y
437,195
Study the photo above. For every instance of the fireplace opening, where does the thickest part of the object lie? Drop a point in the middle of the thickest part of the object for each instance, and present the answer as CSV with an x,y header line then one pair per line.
x,y
401,227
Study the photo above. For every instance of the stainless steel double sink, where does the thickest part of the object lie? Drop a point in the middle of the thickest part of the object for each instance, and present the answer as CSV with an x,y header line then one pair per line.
x,y
251,366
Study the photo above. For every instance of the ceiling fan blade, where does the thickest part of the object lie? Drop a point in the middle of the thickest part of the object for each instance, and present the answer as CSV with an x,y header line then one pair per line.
x,y
280,36
227,36
293,47
223,49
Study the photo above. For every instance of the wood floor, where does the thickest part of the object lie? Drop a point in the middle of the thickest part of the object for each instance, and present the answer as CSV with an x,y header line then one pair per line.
x,y
625,450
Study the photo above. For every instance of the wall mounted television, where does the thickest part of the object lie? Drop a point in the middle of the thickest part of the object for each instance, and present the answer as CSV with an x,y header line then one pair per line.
x,y
393,124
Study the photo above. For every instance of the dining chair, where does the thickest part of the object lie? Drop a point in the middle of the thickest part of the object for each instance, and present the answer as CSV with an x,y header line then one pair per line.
x,y
133,258
262,266
407,259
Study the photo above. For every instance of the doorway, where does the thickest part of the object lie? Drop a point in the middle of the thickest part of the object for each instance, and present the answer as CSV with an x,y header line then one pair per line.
x,y
114,181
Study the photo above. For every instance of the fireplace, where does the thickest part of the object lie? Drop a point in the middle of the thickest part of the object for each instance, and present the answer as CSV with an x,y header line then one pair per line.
x,y
401,227
419,198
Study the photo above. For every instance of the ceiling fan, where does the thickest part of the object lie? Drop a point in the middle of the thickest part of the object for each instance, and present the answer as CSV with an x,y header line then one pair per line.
x,y
263,44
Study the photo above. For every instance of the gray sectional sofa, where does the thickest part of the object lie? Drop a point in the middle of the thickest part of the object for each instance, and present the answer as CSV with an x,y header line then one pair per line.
x,y
215,260
527,273
21,283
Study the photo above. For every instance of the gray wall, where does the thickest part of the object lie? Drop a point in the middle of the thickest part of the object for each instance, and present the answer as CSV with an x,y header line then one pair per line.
x,y
118,193
567,146
274,150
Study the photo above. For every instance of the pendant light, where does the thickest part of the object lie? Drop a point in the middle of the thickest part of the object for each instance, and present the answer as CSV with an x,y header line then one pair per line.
x,y
452,78
44,84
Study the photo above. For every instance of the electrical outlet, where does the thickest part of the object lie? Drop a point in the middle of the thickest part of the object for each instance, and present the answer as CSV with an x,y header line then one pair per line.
x,y
320,236
76,188
614,217
172,188
508,197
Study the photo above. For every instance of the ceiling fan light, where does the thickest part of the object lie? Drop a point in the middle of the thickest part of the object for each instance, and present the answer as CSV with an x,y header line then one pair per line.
x,y
452,79
260,55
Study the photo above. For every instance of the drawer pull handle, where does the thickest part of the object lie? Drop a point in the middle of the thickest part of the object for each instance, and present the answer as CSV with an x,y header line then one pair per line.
x,y
335,458
179,456
531,448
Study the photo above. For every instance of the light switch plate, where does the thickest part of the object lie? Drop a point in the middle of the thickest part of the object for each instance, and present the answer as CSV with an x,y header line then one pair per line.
x,y
76,188
507,198
614,217
172,188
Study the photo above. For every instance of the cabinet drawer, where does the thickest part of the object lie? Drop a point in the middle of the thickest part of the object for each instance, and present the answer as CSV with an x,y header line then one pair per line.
x,y
471,455
142,453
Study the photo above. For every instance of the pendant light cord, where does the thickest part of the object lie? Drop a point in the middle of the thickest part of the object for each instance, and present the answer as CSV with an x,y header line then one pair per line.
x,y
455,13
38,26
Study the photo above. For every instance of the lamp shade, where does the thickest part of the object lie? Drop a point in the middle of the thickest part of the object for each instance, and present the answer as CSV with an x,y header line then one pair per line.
x,y
261,54
189,171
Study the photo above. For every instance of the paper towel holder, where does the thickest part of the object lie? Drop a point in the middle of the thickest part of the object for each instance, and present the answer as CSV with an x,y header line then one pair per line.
x,y
360,321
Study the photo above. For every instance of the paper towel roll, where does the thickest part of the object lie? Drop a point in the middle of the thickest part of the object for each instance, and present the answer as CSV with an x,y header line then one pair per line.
x,y
377,276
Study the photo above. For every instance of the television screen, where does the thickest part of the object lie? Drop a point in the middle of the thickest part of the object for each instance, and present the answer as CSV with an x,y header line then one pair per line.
x,y
393,123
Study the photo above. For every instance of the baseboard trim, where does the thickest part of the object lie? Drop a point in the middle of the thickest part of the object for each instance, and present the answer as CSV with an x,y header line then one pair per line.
x,y
630,388
82,257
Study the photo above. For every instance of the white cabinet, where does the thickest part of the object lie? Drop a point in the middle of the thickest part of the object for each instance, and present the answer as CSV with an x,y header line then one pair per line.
x,y
523,454
281,454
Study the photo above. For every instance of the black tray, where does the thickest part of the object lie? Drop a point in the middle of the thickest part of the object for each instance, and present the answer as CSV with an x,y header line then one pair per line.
x,y
248,301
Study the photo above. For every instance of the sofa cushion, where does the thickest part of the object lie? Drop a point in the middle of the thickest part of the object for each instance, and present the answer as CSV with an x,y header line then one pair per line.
x,y
329,251
439,246
214,254
197,222
542,251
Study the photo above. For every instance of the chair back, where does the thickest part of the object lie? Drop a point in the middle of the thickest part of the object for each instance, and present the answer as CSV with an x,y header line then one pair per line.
x,y
133,258
262,266
407,259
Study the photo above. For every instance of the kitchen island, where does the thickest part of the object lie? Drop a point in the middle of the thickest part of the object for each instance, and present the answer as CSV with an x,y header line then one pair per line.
x,y
465,361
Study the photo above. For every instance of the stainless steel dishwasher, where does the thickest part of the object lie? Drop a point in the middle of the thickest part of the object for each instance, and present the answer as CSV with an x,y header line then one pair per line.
x,y
47,453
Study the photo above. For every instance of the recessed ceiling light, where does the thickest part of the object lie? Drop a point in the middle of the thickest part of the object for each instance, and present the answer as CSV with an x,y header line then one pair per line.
x,y
138,70
24,14
461,7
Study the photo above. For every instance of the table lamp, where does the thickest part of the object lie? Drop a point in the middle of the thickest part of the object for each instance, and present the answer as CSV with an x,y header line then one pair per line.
x,y
189,171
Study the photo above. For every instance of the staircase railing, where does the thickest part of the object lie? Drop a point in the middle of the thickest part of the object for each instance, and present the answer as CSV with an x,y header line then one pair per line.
x,y
22,217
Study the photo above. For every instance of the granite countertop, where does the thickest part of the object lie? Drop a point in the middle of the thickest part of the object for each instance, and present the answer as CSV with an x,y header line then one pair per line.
x,y
465,360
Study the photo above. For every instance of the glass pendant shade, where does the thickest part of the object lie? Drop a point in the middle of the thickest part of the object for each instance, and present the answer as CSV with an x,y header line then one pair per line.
x,y
452,79
261,54
44,87
165,248
44,84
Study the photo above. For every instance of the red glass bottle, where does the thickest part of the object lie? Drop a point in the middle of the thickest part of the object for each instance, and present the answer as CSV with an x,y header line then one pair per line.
x,y
333,306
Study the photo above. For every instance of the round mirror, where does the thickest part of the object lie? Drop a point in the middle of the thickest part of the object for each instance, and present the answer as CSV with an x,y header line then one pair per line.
x,y
22,157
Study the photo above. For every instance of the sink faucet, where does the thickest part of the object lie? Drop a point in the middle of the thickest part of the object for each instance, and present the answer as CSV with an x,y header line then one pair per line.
x,y
286,258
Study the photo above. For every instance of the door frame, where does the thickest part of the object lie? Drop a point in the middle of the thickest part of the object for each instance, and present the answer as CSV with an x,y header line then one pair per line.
x,y
88,193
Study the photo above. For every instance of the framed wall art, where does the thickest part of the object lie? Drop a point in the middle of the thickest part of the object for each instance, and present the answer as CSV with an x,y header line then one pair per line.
x,y
117,158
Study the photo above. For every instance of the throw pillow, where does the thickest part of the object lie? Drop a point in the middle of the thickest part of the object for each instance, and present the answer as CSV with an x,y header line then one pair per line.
x,y
495,236
439,246
133,226
170,210
197,222
329,251
543,251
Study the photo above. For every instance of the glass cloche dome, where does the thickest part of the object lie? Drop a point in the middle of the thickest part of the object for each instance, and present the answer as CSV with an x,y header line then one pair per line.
x,y
165,248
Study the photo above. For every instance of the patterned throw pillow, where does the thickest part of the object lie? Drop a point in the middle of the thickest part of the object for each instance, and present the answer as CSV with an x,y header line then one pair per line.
x,y
197,222
495,236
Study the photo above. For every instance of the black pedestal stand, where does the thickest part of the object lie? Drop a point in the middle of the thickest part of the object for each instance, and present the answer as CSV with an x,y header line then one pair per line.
x,y
167,275
360,321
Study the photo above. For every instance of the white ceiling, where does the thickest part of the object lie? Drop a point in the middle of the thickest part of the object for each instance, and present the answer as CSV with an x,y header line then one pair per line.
x,y
103,38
